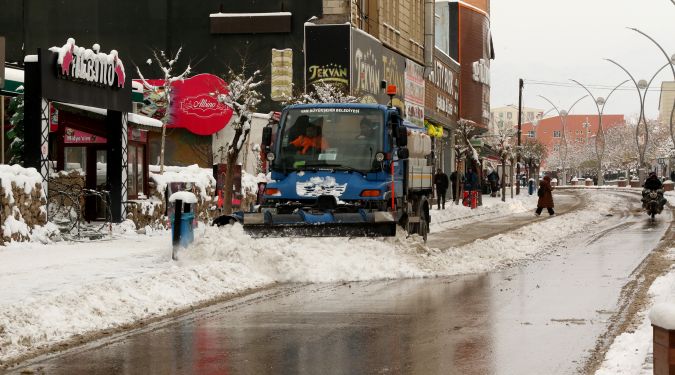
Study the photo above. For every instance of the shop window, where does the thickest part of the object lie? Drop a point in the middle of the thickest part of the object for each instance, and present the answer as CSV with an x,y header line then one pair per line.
x,y
556,134
530,134
76,159
509,115
101,169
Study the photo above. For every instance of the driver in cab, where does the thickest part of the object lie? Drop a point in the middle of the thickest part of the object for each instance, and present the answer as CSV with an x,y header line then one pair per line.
x,y
311,139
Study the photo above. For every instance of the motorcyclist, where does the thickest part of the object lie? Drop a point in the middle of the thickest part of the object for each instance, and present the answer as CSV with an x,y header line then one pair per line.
x,y
653,183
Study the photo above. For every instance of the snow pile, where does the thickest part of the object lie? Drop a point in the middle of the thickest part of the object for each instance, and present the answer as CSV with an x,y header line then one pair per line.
x,y
663,315
200,177
629,352
22,202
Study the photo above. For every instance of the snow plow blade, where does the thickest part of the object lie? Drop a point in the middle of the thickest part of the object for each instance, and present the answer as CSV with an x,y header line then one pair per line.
x,y
302,224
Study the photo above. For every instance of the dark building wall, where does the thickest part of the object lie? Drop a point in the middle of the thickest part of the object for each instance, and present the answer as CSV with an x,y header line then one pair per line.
x,y
474,45
135,28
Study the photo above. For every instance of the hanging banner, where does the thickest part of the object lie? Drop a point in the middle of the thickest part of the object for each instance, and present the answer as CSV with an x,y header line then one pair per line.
x,y
414,92
282,74
193,104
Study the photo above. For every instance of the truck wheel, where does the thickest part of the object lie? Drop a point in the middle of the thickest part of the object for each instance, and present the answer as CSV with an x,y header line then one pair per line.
x,y
423,227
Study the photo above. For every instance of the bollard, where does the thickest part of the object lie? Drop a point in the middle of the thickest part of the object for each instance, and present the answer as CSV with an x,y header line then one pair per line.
x,y
588,182
176,226
662,317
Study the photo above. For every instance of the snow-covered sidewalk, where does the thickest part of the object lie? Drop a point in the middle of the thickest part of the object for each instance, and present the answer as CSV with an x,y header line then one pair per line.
x,y
57,291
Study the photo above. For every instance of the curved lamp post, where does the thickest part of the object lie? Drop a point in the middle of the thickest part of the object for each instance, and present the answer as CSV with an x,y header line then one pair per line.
x,y
600,103
563,140
671,62
642,87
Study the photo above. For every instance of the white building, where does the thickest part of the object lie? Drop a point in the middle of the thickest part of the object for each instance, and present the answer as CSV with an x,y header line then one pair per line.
x,y
504,118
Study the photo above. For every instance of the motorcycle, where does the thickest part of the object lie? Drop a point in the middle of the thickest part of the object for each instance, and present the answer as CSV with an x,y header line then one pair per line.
x,y
653,202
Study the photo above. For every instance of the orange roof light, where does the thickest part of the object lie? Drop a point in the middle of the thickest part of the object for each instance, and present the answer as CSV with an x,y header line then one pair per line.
x,y
391,89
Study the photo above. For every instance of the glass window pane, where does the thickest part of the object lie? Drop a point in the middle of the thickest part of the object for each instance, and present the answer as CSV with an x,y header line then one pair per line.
x,y
140,158
75,159
101,168
131,162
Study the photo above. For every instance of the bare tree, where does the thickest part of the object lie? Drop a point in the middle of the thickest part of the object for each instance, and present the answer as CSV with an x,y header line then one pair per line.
x,y
242,96
167,66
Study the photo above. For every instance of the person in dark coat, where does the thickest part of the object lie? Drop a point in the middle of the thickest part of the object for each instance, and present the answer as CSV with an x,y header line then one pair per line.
x,y
453,185
653,183
441,182
493,178
672,176
545,196
471,181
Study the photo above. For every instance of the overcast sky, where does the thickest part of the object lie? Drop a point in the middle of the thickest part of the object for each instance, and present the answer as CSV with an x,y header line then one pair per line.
x,y
553,41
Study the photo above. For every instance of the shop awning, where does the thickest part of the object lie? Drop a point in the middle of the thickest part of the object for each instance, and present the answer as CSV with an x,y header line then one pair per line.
x,y
144,122
14,79
13,82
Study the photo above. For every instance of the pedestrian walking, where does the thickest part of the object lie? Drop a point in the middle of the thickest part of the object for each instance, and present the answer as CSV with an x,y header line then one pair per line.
x,y
441,183
545,196
471,180
493,178
453,184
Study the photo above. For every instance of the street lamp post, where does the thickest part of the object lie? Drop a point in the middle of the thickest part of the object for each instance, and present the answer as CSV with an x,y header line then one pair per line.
x,y
563,137
520,124
600,104
642,88
671,62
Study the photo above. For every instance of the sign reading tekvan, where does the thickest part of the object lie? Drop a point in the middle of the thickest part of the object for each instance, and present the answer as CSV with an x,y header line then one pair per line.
x,y
327,55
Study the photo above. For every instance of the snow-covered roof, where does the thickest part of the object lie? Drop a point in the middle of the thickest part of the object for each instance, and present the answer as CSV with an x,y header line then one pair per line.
x,y
232,15
15,75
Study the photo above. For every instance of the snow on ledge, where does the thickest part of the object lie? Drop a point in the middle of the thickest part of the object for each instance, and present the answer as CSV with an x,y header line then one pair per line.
x,y
236,15
185,196
30,58
663,315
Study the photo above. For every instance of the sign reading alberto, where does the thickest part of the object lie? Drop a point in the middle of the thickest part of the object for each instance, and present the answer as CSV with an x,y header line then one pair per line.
x,y
84,76
327,55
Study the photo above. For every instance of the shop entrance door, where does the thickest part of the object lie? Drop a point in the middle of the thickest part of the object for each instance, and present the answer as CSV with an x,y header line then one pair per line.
x,y
95,208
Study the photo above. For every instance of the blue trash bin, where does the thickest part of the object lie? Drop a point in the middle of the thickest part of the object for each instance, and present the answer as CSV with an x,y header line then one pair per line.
x,y
530,187
186,232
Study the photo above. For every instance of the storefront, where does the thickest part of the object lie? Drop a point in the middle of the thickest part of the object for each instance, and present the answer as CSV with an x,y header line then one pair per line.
x,y
78,141
441,109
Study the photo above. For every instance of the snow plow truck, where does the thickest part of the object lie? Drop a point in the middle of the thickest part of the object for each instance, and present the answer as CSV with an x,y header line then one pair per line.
x,y
356,170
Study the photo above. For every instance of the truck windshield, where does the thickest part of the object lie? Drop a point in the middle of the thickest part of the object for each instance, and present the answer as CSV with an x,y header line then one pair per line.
x,y
332,138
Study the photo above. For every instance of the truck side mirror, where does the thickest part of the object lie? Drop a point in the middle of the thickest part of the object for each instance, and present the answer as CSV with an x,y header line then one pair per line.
x,y
267,137
403,153
402,136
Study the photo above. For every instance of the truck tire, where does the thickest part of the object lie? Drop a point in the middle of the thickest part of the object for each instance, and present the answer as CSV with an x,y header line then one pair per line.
x,y
422,229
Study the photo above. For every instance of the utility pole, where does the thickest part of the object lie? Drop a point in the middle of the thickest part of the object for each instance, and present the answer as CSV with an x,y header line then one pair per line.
x,y
520,125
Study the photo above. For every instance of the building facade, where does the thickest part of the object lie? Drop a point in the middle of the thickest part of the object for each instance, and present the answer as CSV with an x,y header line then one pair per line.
x,y
579,130
666,101
503,119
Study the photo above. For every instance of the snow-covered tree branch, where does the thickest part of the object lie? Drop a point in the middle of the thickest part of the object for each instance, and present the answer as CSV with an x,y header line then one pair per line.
x,y
166,65
243,97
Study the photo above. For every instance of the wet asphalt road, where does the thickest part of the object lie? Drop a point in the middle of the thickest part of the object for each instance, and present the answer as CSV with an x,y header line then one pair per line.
x,y
542,317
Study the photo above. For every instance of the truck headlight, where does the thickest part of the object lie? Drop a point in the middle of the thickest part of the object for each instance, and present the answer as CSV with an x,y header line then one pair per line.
x,y
271,156
379,157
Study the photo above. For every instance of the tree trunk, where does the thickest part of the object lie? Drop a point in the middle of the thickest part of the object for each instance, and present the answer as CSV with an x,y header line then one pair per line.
x,y
232,156
511,178
227,184
161,150
503,180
